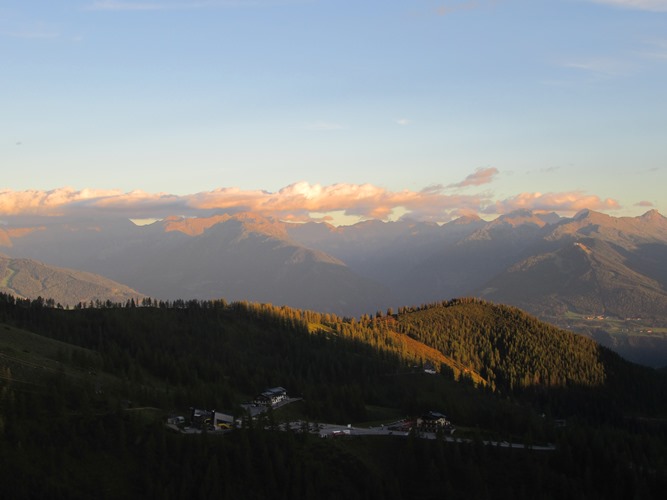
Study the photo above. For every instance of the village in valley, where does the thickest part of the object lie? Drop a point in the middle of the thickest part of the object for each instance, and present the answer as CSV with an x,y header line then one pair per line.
x,y
427,425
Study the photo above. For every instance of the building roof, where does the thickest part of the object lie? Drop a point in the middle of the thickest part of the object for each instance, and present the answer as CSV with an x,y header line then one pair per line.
x,y
433,415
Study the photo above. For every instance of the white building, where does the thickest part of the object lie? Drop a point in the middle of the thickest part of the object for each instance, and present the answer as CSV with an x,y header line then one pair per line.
x,y
271,397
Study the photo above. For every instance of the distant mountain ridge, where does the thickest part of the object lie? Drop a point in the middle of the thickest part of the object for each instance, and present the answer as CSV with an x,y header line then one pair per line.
x,y
240,257
589,264
26,278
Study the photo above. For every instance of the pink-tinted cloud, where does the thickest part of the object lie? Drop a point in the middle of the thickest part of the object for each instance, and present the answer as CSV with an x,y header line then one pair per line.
x,y
298,202
45,202
567,202
645,203
477,178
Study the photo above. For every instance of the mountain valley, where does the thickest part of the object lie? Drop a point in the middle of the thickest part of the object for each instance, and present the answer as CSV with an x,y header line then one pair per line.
x,y
563,270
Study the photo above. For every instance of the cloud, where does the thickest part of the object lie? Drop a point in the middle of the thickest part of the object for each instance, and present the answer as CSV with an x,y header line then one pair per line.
x,y
623,64
300,201
67,201
650,5
296,201
402,121
572,201
477,178
602,66
645,203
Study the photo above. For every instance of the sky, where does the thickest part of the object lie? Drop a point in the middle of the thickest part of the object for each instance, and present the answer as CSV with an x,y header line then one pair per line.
x,y
332,109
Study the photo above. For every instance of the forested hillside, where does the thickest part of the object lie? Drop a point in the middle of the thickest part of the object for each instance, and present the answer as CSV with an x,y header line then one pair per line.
x,y
509,348
82,410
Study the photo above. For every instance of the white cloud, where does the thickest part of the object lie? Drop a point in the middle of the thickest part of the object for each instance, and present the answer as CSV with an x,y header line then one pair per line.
x,y
403,121
650,5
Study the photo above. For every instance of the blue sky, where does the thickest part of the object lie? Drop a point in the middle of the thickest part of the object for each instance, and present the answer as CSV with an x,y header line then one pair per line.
x,y
378,108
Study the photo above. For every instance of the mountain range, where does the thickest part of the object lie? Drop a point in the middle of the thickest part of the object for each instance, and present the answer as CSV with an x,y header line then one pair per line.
x,y
589,265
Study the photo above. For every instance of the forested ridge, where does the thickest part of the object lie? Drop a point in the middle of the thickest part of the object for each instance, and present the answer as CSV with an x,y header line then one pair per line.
x,y
73,431
510,348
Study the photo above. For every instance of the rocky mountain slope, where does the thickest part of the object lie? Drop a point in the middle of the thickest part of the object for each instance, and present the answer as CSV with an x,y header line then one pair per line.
x,y
26,278
592,264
